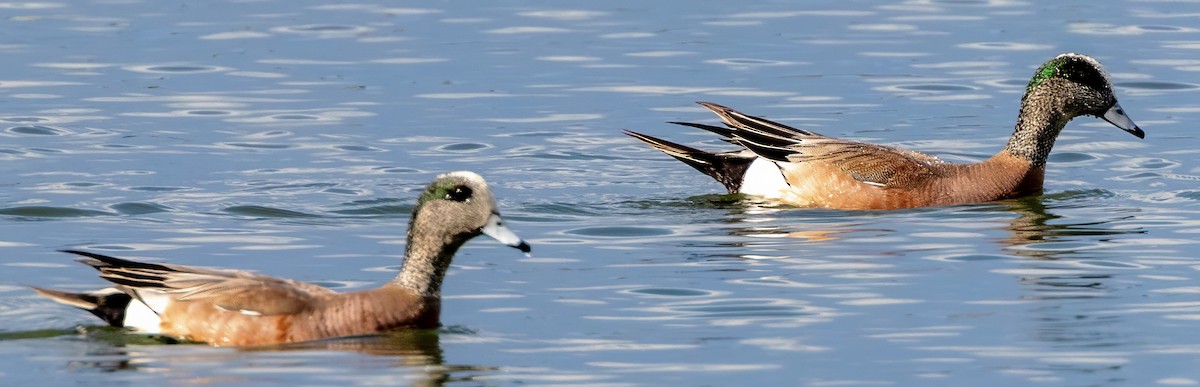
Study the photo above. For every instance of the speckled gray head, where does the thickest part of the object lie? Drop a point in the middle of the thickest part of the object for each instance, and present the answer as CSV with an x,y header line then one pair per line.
x,y
472,199
1095,94
1065,87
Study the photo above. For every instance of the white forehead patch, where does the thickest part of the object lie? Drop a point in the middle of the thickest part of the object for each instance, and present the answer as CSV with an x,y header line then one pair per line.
x,y
469,176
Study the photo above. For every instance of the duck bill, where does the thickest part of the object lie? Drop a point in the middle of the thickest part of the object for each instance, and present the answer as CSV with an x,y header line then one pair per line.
x,y
495,228
1116,116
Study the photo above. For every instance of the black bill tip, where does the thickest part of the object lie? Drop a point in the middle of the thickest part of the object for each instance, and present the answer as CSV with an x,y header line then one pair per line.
x,y
524,247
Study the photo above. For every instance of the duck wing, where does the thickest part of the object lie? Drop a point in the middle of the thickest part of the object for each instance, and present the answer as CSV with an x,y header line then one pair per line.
x,y
249,293
873,164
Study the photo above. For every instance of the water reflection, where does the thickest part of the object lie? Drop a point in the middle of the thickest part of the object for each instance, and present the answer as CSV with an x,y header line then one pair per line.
x,y
1056,260
1035,235
417,350
1035,232
413,357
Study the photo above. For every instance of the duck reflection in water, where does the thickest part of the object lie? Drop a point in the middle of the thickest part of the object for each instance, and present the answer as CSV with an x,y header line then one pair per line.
x,y
416,355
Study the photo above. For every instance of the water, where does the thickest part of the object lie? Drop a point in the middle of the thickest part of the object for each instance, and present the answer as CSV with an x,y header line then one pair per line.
x,y
291,138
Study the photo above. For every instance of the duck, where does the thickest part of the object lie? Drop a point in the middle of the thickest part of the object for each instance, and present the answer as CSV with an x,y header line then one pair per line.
x,y
802,168
225,307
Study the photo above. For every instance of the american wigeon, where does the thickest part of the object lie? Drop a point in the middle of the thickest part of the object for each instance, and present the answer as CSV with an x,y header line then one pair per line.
x,y
803,168
230,307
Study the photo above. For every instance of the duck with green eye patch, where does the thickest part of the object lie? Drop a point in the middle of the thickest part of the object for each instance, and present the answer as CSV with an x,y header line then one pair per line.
x,y
1063,88
802,168
237,308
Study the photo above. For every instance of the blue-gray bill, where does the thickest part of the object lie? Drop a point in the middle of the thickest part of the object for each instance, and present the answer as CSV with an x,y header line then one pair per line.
x,y
1116,116
495,228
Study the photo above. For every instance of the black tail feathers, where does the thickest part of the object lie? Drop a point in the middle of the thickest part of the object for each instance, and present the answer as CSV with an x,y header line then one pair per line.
x,y
727,168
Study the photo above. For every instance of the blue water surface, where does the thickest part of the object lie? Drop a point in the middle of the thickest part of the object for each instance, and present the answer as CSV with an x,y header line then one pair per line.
x,y
292,137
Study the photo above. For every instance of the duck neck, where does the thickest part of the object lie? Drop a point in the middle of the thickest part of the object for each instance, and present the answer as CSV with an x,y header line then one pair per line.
x,y
1038,125
426,259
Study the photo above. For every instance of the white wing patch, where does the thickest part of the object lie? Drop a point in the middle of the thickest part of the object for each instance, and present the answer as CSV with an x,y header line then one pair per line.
x,y
247,312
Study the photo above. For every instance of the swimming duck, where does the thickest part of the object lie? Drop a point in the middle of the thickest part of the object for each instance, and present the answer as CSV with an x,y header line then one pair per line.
x,y
802,168
237,308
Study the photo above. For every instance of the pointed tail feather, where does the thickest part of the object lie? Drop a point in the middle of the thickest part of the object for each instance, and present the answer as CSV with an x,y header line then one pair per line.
x,y
725,133
766,138
131,274
761,138
100,262
726,168
79,300
765,148
108,304
692,156
739,121
768,145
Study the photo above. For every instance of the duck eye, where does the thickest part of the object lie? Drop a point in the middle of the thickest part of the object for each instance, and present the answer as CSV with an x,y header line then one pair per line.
x,y
460,193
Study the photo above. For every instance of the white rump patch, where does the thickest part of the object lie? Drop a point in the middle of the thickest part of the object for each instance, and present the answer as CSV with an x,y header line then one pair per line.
x,y
764,178
142,316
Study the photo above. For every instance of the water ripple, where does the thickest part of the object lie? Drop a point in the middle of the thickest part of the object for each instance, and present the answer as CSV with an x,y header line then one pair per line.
x,y
1163,86
265,212
52,212
750,62
323,30
527,30
620,232
1006,46
566,15
176,69
733,312
38,130
139,208
593,345
1113,29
